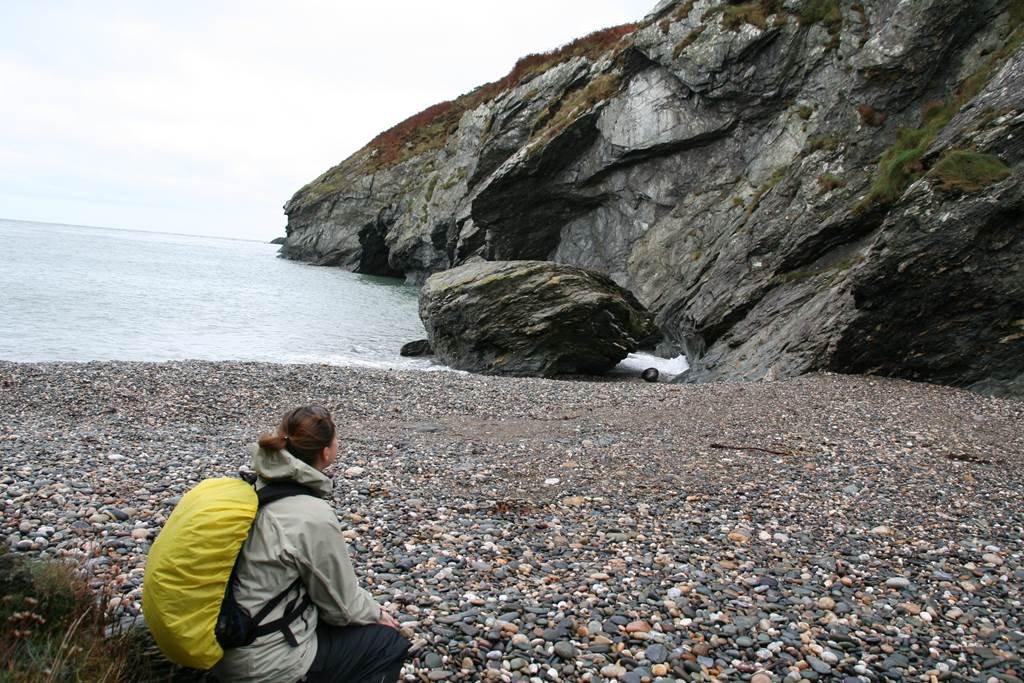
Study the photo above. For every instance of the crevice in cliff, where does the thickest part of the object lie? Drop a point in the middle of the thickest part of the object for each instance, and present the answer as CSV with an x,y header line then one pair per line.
x,y
556,106
829,238
521,211
374,253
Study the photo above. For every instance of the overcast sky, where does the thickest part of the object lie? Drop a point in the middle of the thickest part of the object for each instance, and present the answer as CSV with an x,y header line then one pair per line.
x,y
205,117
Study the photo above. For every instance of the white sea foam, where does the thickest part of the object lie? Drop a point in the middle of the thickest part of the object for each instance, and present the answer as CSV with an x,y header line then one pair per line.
x,y
635,363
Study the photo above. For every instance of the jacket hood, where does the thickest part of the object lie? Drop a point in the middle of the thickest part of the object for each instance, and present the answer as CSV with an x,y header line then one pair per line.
x,y
272,465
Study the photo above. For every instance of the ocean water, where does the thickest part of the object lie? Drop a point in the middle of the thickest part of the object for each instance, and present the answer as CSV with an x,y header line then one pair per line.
x,y
74,293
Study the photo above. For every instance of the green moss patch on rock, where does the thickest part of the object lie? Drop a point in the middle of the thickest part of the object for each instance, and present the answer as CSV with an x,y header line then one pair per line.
x,y
964,171
755,13
900,165
830,181
829,143
825,12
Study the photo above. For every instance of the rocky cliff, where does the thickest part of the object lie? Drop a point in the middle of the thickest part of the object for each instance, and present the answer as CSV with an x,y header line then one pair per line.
x,y
788,185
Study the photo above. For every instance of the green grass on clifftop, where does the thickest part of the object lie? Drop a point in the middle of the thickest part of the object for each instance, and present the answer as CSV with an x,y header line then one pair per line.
x,y
757,12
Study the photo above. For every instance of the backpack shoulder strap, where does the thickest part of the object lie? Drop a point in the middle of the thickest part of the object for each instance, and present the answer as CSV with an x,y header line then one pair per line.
x,y
267,494
276,490
235,627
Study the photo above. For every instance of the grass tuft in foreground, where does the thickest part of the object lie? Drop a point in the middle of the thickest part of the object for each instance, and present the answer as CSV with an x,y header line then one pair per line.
x,y
52,629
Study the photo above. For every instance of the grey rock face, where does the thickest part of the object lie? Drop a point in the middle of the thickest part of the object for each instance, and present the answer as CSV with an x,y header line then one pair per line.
x,y
531,318
727,173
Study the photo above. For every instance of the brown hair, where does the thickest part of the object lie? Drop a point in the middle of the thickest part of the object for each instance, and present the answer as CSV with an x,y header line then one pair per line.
x,y
304,432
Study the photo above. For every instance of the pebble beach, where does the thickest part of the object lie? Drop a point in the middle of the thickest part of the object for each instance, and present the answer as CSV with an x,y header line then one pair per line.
x,y
826,527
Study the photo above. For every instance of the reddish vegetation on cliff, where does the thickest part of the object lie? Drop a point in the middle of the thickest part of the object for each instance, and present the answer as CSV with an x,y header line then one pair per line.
x,y
429,128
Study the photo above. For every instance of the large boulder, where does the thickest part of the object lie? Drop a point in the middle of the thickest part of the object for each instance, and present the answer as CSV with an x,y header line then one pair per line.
x,y
531,318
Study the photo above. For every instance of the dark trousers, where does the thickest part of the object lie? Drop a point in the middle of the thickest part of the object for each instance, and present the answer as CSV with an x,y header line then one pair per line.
x,y
357,654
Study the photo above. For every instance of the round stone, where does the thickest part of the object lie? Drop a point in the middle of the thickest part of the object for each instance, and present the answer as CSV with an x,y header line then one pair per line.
x,y
565,649
612,671
638,627
657,653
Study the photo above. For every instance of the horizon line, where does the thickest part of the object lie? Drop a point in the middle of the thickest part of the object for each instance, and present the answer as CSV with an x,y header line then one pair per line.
x,y
155,232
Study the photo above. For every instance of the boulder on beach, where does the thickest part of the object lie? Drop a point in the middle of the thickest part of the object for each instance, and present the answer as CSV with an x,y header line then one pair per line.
x,y
531,318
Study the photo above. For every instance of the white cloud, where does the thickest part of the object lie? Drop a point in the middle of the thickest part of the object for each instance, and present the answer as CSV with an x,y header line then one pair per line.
x,y
205,118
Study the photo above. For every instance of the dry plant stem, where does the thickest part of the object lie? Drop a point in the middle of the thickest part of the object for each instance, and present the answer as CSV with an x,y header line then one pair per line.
x,y
65,646
727,447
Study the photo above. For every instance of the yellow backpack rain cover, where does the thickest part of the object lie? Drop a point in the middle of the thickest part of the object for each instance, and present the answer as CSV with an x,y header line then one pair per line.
x,y
189,567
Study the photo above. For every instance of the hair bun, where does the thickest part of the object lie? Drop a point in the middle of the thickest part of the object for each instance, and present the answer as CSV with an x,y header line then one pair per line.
x,y
273,442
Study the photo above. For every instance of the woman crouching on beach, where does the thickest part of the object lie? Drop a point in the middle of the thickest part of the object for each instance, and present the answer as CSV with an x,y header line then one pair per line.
x,y
331,629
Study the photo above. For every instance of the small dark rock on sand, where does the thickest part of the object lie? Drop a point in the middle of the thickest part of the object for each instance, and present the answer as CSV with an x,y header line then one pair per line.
x,y
420,347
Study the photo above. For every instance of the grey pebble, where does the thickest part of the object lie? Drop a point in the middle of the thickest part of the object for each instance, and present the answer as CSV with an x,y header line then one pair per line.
x,y
657,653
566,650
818,665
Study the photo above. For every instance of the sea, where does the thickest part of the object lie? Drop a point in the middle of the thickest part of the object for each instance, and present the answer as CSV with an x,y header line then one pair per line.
x,y
77,293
